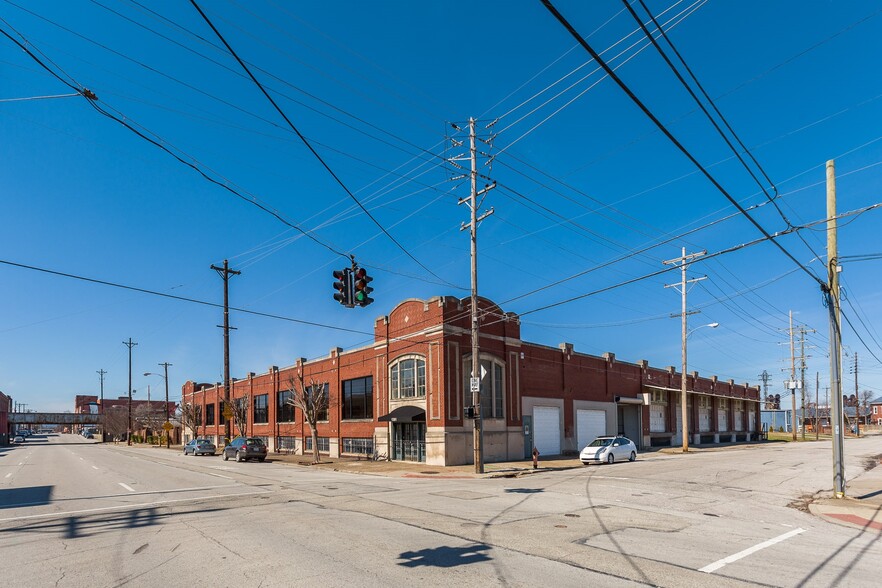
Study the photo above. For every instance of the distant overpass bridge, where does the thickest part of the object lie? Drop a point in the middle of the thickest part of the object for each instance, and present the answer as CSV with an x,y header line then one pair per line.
x,y
54,418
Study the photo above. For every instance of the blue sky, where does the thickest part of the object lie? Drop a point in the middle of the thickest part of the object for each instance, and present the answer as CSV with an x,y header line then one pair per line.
x,y
584,177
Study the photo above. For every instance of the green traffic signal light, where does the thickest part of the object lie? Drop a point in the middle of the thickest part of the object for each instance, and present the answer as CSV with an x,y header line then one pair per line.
x,y
362,290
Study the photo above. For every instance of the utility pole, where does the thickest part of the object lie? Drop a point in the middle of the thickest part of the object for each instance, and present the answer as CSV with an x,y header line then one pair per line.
x,y
101,373
765,378
857,399
831,291
683,288
792,383
802,358
225,272
475,381
165,365
817,387
130,344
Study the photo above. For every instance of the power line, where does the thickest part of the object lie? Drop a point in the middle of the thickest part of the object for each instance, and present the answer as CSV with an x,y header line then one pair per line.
x,y
670,136
673,68
309,146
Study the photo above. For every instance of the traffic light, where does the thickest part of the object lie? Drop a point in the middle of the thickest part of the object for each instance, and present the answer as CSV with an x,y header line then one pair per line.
x,y
778,401
343,286
361,288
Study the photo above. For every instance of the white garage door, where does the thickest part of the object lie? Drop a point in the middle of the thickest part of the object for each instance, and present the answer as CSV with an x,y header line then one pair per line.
x,y
589,424
546,429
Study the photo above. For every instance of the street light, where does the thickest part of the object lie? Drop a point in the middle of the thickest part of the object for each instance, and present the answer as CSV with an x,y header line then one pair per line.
x,y
684,414
166,423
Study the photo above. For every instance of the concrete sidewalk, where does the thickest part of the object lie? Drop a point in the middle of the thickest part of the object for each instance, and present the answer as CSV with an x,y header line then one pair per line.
x,y
862,506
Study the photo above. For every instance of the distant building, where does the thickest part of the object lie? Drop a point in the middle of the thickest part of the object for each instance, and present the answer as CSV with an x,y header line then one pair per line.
x,y
5,408
406,394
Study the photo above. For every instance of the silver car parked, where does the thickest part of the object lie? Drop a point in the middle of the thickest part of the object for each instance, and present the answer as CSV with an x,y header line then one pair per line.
x,y
199,447
609,449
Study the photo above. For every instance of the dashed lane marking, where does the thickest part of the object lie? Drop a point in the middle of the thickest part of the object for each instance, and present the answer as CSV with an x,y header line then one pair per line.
x,y
127,487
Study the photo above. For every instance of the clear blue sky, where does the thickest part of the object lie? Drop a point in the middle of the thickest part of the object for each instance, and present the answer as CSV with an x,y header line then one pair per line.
x,y
584,178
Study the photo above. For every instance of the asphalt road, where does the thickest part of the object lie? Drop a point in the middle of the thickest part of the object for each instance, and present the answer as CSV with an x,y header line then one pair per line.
x,y
77,513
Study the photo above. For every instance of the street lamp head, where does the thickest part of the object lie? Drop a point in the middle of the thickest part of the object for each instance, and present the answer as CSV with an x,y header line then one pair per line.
x,y
714,325
147,374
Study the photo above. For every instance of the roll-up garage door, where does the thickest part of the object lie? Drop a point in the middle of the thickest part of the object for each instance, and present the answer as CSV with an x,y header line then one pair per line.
x,y
589,424
546,429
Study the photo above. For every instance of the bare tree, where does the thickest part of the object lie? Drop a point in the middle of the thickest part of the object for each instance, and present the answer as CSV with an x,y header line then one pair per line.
x,y
240,414
864,403
191,417
150,417
116,421
314,402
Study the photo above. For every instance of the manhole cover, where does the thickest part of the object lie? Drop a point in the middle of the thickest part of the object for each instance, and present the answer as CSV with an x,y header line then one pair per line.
x,y
572,515
428,472
560,526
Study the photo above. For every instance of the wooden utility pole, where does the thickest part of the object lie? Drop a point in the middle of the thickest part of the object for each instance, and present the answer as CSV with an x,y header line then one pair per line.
x,y
166,424
684,287
101,373
831,291
857,399
225,272
130,344
475,380
792,383
817,406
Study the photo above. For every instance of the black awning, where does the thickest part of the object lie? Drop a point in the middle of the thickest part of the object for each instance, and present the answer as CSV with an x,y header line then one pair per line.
x,y
405,414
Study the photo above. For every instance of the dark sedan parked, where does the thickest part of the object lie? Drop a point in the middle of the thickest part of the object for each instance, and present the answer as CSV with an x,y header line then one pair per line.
x,y
243,448
200,446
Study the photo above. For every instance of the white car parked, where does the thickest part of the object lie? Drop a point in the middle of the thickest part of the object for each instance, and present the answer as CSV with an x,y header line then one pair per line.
x,y
609,449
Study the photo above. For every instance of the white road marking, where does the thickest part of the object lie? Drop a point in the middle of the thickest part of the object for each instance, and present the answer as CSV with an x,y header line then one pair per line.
x,y
130,506
94,467
711,568
9,474
127,487
608,478
21,463
219,476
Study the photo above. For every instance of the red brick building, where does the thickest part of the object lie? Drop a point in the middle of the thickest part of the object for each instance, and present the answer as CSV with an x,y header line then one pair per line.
x,y
404,395
5,407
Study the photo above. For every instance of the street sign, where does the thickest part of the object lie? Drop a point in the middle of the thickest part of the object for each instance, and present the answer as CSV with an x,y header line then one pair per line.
x,y
167,426
475,385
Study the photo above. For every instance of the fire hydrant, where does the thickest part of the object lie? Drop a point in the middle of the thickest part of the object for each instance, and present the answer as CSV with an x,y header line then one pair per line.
x,y
535,458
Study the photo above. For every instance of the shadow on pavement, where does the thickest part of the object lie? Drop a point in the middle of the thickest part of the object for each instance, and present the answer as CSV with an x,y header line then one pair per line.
x,y
445,557
79,526
28,496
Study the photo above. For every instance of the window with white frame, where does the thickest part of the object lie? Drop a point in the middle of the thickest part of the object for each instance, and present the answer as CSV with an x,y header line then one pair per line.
x,y
659,397
492,387
407,378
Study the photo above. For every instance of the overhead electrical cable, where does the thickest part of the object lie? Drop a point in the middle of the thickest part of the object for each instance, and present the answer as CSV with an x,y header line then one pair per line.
x,y
701,259
700,104
309,146
670,136
584,91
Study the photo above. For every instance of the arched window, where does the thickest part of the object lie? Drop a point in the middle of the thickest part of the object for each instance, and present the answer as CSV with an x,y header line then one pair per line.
x,y
492,386
407,378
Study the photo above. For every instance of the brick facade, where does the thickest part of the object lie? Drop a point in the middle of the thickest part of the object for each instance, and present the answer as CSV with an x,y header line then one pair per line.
x,y
430,339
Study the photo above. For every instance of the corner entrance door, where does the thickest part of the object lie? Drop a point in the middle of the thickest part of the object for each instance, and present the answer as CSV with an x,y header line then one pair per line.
x,y
409,441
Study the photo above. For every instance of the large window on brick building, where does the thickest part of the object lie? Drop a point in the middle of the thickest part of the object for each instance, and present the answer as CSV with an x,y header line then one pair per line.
x,y
209,414
407,378
284,408
492,387
358,398
322,415
221,418
261,409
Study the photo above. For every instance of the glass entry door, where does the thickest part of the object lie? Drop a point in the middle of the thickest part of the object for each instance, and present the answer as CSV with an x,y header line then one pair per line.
x,y
409,441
